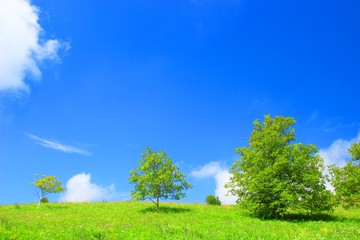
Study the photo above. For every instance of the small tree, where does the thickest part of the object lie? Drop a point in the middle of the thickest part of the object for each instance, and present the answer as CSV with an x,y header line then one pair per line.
x,y
346,180
46,185
212,200
273,175
157,178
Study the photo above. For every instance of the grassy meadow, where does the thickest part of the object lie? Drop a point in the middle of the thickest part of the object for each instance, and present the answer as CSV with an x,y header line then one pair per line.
x,y
134,220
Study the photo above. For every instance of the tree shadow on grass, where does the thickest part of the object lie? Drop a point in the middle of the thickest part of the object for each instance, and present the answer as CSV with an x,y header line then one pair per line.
x,y
298,217
165,209
321,217
53,206
303,217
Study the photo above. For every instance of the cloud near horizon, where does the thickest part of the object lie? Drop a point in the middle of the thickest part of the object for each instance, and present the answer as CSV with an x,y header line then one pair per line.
x,y
55,145
21,47
221,176
80,189
337,152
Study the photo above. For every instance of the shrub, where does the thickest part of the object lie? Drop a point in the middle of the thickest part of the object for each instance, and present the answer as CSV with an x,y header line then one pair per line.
x,y
44,200
212,200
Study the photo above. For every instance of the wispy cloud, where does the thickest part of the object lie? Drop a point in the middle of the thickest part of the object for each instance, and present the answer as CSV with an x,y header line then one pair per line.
x,y
328,124
131,145
314,115
80,189
58,146
21,47
221,175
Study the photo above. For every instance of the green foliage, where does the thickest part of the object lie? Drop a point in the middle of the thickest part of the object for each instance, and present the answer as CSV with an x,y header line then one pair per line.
x,y
47,185
212,200
44,200
139,220
355,151
346,180
274,175
157,178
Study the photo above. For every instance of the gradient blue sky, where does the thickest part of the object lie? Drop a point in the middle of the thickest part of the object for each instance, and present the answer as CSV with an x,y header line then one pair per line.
x,y
105,79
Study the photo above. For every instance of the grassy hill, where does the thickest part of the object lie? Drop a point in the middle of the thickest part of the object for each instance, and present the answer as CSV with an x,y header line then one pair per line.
x,y
129,220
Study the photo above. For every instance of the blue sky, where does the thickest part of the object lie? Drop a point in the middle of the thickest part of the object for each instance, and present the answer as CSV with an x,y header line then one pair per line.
x,y
85,87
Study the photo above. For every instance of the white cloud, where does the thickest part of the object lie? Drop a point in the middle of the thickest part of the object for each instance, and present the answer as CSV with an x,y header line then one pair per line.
x,y
21,47
208,170
337,152
80,189
221,176
58,146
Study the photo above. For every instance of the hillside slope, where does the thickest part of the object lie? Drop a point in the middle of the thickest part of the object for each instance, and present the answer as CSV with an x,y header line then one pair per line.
x,y
129,220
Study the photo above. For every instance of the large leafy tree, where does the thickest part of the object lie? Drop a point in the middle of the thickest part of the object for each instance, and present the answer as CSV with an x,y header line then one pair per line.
x,y
274,175
46,185
346,180
157,178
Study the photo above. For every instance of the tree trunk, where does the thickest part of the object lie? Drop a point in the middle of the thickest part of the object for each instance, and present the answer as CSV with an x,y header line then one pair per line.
x,y
39,203
157,204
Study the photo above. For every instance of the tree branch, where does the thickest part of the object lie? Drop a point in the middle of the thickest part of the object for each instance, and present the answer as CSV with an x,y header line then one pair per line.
x,y
152,200
37,193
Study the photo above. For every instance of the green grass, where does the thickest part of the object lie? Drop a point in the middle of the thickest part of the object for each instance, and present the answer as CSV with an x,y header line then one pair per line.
x,y
128,220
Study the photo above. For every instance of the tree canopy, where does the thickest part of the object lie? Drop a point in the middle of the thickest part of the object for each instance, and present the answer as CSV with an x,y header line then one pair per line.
x,y
157,178
274,175
354,151
47,185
